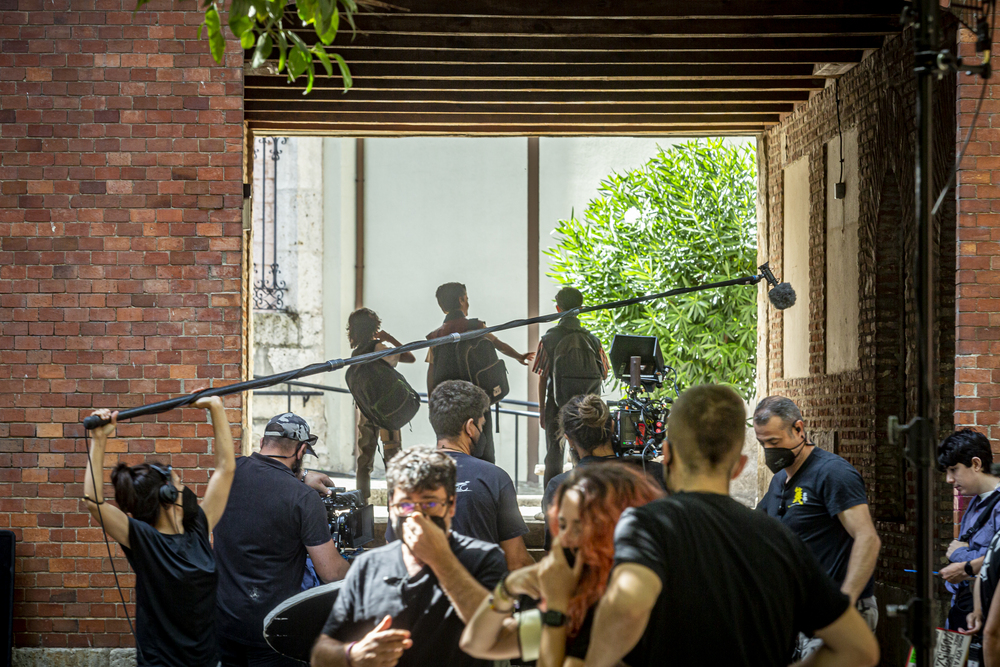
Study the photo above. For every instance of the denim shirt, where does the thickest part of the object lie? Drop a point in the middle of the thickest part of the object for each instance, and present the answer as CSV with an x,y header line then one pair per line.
x,y
978,543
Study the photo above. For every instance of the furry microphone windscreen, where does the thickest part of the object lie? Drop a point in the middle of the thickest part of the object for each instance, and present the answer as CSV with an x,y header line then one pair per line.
x,y
782,296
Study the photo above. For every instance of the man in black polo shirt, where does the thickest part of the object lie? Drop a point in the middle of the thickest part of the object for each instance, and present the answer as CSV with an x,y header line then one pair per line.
x,y
273,519
485,499
407,602
701,579
821,498
588,353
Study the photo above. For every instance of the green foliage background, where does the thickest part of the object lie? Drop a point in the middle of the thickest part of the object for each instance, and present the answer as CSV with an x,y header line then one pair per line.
x,y
688,216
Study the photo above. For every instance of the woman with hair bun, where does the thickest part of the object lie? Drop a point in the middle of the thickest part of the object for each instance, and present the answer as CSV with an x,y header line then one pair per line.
x,y
166,541
569,581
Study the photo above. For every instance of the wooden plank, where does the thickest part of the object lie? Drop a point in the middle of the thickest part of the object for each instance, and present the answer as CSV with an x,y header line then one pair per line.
x,y
593,85
315,105
597,42
656,8
415,24
362,54
297,128
264,88
363,72
463,120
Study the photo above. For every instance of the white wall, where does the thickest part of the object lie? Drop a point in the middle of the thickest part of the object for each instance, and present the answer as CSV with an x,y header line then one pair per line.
x,y
795,264
842,257
439,210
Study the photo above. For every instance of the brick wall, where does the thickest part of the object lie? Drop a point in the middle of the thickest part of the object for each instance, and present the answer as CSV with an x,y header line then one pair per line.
x,y
847,412
120,267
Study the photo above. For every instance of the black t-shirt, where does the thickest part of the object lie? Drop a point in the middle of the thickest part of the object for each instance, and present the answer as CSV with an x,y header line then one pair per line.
x,y
822,488
175,582
378,585
261,541
577,645
737,585
485,502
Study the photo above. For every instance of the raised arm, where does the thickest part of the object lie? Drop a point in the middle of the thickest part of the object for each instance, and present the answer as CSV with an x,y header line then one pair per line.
x,y
112,519
504,348
221,481
491,633
405,357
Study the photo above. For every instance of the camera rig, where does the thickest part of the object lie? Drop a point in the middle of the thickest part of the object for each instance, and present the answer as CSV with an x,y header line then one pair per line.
x,y
638,422
352,521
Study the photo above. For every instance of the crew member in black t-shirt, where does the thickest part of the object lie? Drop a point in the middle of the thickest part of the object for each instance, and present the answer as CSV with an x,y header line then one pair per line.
x,y
485,500
701,579
407,602
454,301
585,423
166,541
567,299
275,518
821,498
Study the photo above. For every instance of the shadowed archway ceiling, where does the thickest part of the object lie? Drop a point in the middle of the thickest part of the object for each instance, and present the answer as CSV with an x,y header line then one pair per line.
x,y
582,67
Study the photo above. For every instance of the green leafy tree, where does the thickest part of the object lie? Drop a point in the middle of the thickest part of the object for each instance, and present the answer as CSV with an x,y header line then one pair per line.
x,y
259,25
686,217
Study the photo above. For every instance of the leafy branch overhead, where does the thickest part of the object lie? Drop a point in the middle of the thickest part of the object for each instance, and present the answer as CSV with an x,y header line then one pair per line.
x,y
686,217
259,25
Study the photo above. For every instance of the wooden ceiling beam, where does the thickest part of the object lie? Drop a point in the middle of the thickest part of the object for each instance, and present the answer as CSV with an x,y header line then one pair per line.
x,y
593,85
291,128
257,87
571,110
556,28
594,42
656,8
278,111
618,58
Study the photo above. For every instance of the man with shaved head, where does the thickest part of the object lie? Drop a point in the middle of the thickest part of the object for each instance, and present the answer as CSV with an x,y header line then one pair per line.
x,y
698,559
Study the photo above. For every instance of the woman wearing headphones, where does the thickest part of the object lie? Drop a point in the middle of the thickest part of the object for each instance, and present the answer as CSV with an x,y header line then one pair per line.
x,y
166,540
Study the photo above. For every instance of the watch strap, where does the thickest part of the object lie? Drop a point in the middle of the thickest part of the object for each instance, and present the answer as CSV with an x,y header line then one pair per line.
x,y
968,569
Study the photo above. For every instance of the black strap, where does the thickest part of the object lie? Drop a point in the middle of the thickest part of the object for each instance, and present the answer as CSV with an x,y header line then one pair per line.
x,y
990,503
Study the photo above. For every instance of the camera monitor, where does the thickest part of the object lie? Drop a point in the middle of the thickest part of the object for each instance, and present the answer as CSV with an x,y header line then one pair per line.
x,y
647,348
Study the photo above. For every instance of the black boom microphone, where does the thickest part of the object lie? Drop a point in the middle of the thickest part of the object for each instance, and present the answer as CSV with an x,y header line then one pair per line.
x,y
782,295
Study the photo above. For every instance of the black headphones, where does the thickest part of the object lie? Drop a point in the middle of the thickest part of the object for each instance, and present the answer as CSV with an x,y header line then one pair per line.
x,y
168,492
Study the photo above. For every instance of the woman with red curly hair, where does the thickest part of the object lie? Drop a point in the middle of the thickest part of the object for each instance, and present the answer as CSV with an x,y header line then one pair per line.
x,y
569,580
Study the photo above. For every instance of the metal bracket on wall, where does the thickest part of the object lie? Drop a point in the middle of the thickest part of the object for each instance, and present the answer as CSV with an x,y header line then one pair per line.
x,y
268,291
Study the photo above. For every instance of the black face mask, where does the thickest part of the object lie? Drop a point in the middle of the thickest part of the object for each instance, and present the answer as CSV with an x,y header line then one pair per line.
x,y
779,458
189,502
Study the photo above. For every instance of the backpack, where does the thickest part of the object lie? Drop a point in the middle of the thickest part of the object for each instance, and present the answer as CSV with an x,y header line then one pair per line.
x,y
576,368
474,361
383,395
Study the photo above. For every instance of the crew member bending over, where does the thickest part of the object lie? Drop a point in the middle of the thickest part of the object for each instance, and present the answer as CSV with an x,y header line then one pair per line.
x,y
166,542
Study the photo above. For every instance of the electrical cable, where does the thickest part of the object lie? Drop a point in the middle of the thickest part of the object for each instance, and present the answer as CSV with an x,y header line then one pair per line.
x,y
114,571
972,126
840,130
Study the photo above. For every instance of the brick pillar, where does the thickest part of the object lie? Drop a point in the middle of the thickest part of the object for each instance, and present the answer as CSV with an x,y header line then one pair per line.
x,y
120,246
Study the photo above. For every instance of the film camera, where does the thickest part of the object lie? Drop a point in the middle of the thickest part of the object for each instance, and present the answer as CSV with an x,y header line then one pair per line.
x,y
352,522
638,421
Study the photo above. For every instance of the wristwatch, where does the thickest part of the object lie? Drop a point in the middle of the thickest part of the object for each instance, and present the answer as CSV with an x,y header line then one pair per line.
x,y
554,619
968,569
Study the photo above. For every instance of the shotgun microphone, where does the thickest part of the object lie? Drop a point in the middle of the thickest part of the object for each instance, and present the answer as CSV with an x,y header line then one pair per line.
x,y
782,295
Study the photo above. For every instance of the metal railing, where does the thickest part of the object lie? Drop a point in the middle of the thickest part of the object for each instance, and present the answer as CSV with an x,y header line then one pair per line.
x,y
497,409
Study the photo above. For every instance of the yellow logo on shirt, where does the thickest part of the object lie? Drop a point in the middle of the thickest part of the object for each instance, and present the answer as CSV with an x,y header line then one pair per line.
x,y
800,497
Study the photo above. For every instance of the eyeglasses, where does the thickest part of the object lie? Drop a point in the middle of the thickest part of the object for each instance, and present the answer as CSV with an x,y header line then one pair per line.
x,y
410,508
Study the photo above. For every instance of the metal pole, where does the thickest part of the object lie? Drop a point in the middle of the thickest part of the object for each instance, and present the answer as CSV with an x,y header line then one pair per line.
x,y
517,420
922,445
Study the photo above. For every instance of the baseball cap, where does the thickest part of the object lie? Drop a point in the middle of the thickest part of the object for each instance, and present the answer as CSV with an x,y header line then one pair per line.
x,y
292,427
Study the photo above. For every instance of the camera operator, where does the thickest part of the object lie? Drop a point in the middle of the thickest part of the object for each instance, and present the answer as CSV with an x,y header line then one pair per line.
x,y
821,498
274,518
585,423
689,561
407,602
